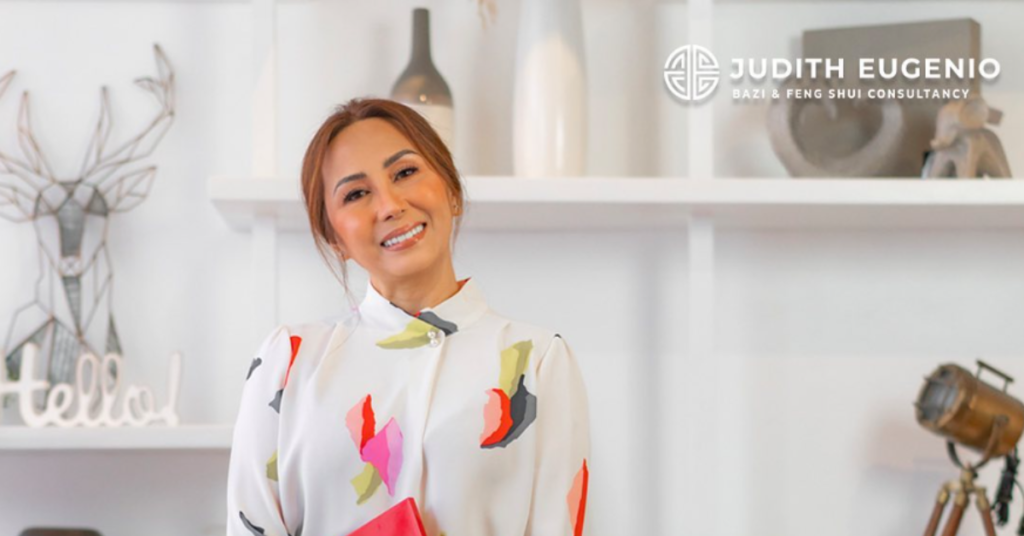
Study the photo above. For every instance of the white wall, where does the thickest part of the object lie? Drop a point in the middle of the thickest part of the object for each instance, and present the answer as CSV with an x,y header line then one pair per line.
x,y
835,331
828,333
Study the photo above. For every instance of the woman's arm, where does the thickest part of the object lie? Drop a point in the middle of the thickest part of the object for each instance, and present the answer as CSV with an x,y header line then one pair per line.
x,y
254,505
563,445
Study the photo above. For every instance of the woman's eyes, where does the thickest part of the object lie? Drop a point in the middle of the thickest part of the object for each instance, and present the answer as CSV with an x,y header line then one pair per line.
x,y
352,196
399,175
358,193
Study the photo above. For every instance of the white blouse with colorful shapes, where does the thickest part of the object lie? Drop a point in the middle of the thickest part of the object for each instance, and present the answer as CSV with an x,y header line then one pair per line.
x,y
481,419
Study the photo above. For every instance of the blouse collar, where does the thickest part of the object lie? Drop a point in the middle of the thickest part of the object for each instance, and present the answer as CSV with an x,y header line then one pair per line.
x,y
457,312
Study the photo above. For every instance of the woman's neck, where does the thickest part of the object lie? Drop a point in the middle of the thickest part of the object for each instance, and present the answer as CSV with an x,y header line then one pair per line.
x,y
413,294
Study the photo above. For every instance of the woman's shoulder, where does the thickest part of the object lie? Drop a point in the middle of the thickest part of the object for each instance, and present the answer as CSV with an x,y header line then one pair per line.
x,y
296,349
317,335
325,324
541,337
539,348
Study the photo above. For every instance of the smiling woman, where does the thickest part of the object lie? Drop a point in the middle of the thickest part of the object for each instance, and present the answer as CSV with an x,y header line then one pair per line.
x,y
485,419
376,146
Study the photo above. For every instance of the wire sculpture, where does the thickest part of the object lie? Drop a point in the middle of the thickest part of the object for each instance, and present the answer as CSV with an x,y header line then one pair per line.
x,y
71,313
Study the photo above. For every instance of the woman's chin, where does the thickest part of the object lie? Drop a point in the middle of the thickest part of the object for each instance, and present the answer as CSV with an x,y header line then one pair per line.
x,y
409,264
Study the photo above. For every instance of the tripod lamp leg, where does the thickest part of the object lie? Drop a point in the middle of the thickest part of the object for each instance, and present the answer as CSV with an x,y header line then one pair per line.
x,y
986,512
956,514
940,505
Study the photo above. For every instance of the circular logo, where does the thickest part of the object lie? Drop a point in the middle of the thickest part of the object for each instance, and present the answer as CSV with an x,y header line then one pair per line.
x,y
691,72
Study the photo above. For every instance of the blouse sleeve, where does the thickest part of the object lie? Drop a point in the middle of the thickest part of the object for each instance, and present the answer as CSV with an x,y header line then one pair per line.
x,y
563,445
254,505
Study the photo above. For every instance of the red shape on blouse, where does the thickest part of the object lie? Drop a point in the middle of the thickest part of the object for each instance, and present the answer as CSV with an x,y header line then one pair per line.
x,y
296,342
402,519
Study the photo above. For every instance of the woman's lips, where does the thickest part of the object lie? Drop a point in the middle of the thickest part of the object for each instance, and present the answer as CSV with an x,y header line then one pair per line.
x,y
408,242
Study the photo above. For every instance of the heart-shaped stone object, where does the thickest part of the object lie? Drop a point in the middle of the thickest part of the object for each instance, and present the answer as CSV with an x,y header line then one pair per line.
x,y
822,137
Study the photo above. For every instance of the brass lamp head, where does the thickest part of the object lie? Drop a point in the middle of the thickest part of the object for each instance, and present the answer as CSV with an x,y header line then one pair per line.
x,y
965,409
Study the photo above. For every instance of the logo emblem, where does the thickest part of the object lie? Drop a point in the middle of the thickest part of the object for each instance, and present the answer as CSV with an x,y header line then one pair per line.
x,y
691,72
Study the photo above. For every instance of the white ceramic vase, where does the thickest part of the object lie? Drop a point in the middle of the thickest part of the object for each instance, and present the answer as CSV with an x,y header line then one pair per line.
x,y
549,116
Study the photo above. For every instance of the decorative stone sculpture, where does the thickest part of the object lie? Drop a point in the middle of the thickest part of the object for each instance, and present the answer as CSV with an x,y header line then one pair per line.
x,y
854,137
837,138
963,147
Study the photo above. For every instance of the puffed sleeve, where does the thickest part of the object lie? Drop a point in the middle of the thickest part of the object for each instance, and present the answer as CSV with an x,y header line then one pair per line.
x,y
563,445
254,504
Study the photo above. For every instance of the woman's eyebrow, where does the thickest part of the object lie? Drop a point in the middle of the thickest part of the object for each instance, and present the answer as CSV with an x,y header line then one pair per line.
x,y
387,162
350,178
391,159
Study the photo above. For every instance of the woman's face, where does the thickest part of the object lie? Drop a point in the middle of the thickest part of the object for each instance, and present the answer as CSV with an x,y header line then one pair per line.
x,y
390,211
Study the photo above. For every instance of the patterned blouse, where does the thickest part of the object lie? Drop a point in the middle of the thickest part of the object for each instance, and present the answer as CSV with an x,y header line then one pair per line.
x,y
482,420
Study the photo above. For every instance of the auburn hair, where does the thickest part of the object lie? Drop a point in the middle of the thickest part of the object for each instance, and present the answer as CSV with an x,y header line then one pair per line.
x,y
410,124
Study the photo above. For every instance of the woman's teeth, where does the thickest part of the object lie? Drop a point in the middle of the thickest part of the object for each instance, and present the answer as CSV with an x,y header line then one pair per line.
x,y
415,231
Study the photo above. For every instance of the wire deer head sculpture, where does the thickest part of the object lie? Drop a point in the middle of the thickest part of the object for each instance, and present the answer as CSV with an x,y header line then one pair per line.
x,y
71,313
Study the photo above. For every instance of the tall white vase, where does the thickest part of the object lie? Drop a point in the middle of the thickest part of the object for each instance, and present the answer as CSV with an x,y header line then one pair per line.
x,y
549,124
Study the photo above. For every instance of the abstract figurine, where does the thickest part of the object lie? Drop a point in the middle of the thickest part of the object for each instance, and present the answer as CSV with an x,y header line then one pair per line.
x,y
71,313
963,147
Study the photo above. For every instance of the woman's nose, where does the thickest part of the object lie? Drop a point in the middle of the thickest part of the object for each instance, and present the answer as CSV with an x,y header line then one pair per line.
x,y
390,202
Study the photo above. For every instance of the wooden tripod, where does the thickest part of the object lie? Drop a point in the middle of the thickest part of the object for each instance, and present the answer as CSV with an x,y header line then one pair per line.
x,y
961,491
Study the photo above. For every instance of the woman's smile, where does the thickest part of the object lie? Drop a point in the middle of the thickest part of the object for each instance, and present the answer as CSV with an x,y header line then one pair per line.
x,y
405,237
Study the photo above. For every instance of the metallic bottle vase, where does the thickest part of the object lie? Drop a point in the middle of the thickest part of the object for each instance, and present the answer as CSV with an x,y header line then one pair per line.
x,y
421,86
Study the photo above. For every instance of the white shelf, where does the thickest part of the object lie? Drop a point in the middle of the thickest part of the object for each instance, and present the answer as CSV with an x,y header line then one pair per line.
x,y
191,437
593,203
